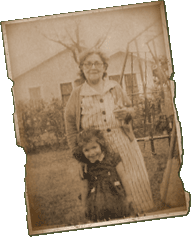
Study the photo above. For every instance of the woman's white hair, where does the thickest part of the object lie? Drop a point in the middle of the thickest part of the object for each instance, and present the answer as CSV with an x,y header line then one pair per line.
x,y
89,52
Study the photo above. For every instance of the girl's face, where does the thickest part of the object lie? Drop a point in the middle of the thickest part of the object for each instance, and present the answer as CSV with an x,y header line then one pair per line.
x,y
92,151
93,69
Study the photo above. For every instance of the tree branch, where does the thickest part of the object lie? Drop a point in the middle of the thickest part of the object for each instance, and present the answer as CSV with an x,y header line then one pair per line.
x,y
67,46
58,41
101,40
70,37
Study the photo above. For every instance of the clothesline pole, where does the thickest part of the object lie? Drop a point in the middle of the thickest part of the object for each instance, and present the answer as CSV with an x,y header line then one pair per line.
x,y
127,49
124,64
155,37
145,96
148,27
173,137
132,76
132,80
141,73
158,69
144,124
140,67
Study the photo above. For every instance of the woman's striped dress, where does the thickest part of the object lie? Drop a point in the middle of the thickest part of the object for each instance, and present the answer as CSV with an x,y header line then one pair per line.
x,y
97,111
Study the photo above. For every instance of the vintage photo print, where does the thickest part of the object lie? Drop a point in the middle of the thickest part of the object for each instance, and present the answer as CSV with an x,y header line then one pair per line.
x,y
94,113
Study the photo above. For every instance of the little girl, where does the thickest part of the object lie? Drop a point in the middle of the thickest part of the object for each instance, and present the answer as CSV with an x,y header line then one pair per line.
x,y
106,197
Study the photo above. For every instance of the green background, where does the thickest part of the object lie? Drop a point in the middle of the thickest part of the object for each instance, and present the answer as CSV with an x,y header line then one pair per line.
x,y
13,158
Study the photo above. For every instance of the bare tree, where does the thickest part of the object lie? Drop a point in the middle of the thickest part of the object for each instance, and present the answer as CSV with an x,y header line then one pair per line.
x,y
75,44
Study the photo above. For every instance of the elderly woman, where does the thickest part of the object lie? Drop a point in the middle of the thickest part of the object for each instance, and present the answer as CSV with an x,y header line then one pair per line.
x,y
101,103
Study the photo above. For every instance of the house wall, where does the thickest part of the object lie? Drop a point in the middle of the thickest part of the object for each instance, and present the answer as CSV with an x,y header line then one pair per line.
x,y
116,64
48,76
62,69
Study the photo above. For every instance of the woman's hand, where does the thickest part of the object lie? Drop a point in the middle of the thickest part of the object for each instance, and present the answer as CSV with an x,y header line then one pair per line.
x,y
82,170
124,112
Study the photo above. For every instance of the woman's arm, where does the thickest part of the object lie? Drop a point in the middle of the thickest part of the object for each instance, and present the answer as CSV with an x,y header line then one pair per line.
x,y
124,180
70,121
128,105
126,112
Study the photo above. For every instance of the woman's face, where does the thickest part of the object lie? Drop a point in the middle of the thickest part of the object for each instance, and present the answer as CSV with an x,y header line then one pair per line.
x,y
93,69
92,151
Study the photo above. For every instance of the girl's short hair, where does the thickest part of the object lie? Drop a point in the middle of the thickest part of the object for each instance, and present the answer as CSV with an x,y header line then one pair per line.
x,y
86,136
89,52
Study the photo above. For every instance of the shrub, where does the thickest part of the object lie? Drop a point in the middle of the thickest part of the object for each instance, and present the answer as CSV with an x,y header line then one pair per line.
x,y
152,113
55,116
43,124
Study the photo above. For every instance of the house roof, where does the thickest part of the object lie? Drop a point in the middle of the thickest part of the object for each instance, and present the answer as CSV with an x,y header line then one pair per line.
x,y
123,52
40,63
115,53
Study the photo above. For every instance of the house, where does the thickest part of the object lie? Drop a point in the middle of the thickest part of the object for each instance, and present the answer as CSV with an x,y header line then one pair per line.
x,y
57,76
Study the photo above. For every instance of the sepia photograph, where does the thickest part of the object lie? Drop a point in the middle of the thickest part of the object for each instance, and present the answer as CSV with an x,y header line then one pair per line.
x,y
93,94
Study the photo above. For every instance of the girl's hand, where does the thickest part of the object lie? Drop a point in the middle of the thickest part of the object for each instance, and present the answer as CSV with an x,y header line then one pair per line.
x,y
122,113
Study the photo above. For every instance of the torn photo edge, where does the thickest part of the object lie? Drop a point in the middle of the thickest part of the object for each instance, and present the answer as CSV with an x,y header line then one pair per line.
x,y
166,213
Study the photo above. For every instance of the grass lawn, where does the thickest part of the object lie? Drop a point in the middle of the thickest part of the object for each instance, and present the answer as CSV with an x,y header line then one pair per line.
x,y
56,192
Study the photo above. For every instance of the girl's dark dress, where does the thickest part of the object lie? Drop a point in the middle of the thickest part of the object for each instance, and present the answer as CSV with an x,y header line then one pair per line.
x,y
106,196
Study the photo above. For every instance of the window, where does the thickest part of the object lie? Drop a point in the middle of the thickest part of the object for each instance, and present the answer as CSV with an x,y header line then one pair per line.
x,y
35,94
131,84
115,78
66,89
78,82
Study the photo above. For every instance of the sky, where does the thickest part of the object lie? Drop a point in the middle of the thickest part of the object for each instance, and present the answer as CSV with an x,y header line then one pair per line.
x,y
28,46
